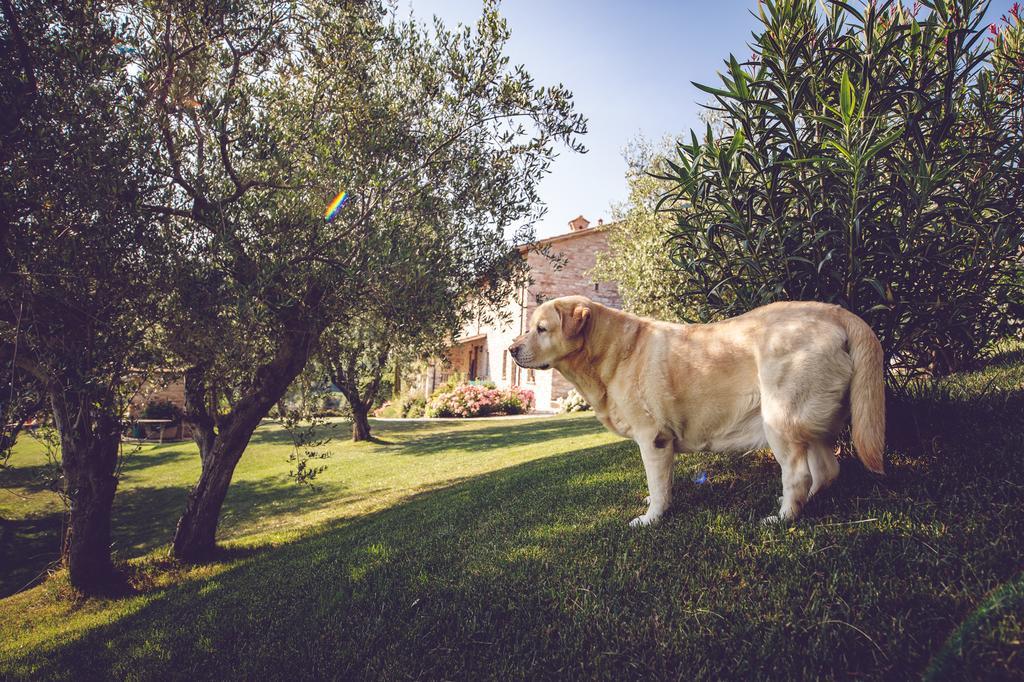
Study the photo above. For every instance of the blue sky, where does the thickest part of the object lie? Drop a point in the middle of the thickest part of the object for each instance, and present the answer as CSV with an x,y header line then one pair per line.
x,y
630,67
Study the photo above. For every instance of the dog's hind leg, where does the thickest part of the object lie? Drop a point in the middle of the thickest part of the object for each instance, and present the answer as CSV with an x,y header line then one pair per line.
x,y
823,465
659,463
801,404
796,475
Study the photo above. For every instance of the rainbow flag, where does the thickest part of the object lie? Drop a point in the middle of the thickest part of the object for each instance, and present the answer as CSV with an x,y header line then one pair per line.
x,y
335,205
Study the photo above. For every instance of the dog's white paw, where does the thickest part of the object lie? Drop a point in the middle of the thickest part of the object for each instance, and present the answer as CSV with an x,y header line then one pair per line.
x,y
645,520
772,520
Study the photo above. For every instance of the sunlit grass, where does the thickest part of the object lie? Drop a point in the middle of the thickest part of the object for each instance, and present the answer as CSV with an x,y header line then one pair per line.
x,y
360,477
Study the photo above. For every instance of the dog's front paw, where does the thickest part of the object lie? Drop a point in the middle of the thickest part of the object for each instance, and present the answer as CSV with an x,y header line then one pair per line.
x,y
772,520
644,520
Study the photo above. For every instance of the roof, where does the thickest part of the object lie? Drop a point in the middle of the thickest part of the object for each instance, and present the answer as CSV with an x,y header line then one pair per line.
x,y
466,339
565,237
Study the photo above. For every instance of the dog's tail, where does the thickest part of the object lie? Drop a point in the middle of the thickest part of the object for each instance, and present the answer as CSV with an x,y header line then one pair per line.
x,y
867,392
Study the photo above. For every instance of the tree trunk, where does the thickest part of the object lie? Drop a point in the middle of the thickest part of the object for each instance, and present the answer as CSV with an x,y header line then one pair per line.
x,y
89,448
221,449
360,399
196,534
86,551
360,420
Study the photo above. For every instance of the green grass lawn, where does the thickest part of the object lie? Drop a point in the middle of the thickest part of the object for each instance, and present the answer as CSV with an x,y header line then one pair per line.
x,y
500,549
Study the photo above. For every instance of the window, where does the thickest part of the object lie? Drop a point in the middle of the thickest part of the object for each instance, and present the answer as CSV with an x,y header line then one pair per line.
x,y
504,365
530,378
596,285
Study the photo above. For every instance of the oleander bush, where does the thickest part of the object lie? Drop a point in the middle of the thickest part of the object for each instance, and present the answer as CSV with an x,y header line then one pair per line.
x,y
479,401
870,156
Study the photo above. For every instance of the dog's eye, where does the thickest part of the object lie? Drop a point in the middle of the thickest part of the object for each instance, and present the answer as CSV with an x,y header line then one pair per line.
x,y
541,330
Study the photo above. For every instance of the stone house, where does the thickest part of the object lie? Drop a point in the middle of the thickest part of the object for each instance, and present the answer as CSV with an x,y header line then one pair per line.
x,y
481,353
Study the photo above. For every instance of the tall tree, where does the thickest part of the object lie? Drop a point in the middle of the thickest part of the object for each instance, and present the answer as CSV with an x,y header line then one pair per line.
x,y
78,261
264,111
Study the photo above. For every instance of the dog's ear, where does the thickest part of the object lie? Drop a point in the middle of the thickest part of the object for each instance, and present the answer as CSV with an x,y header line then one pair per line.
x,y
574,321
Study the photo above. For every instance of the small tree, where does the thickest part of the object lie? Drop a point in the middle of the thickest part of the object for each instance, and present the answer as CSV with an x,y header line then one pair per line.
x,y
875,162
637,258
354,358
432,282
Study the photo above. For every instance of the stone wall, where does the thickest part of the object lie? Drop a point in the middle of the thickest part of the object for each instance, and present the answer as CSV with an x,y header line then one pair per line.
x,y
580,250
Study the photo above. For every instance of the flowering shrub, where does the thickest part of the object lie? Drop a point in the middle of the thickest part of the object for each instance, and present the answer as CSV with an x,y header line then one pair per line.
x,y
574,402
479,401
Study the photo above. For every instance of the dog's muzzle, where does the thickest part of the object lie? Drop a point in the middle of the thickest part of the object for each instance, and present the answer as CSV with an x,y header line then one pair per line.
x,y
515,350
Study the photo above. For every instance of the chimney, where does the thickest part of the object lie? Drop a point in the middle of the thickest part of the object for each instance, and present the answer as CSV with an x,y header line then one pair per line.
x,y
600,222
579,223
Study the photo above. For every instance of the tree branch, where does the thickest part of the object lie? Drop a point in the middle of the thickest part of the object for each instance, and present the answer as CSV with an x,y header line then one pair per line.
x,y
167,210
370,393
222,133
197,409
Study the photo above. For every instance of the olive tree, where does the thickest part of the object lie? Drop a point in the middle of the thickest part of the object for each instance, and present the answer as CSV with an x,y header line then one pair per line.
x,y
79,261
263,113
416,297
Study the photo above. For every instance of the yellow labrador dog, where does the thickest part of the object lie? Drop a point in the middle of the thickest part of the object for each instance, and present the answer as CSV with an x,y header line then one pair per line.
x,y
786,375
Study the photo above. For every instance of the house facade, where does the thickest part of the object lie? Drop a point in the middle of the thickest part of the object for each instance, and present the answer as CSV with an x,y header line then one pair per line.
x,y
481,353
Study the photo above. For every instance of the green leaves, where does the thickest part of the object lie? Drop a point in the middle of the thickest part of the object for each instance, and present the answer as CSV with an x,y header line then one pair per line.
x,y
847,98
739,78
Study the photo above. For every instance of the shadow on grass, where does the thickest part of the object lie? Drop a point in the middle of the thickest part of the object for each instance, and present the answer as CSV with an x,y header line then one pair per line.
x,y
158,455
1005,357
917,424
28,548
144,518
34,478
498,435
